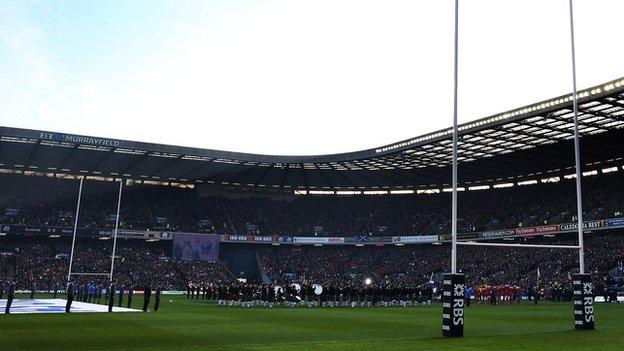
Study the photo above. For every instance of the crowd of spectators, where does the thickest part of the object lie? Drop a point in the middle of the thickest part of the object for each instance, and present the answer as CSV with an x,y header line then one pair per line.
x,y
417,264
44,201
51,202
45,263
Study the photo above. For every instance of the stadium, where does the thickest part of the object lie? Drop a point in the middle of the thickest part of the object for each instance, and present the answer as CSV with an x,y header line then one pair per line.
x,y
335,221
504,232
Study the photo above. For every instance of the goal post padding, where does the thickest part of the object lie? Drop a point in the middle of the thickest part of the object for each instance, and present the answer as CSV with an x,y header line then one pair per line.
x,y
583,301
453,305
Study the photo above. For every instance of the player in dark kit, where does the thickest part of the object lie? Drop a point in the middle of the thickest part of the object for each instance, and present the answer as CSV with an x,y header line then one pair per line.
x,y
121,294
70,296
98,293
78,292
10,297
536,295
147,293
84,294
111,297
157,299
130,296
493,296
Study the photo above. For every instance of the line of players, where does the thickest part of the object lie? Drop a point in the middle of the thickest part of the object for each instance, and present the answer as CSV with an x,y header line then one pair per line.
x,y
93,293
312,295
496,294
89,293
501,294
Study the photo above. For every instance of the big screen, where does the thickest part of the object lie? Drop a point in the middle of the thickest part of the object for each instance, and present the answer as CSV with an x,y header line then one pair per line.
x,y
196,247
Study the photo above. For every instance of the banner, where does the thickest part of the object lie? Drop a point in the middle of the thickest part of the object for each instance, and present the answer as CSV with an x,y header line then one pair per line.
x,y
76,139
42,230
586,225
614,222
195,247
249,238
553,228
609,223
285,239
137,234
387,239
363,238
415,239
68,231
462,236
321,240
497,233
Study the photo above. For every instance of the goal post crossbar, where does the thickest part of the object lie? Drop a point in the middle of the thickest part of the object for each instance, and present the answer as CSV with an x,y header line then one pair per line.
x,y
474,243
79,273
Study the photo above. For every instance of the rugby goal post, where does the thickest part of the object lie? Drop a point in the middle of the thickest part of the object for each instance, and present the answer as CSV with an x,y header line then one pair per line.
x,y
71,255
454,283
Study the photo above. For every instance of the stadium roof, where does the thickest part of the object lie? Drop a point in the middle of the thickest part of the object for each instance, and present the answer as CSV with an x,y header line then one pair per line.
x,y
530,142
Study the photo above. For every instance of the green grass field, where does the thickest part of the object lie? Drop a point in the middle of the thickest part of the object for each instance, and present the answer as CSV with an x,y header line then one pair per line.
x,y
197,325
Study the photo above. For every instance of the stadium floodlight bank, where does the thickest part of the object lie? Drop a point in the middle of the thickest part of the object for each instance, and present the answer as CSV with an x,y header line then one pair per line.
x,y
454,283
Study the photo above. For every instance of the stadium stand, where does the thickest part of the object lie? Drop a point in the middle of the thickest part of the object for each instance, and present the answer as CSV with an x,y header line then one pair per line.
x,y
148,207
44,262
514,167
43,201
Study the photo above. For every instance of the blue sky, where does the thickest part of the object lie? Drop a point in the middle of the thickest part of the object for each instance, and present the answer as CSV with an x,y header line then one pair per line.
x,y
288,77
